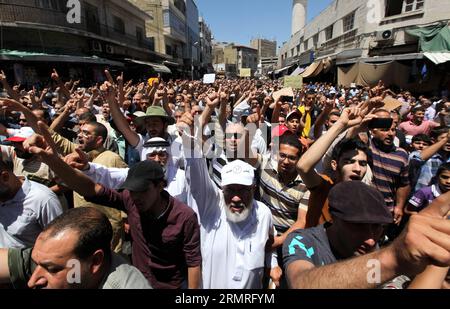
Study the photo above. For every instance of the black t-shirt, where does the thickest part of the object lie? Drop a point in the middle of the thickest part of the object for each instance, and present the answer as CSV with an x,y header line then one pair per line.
x,y
310,245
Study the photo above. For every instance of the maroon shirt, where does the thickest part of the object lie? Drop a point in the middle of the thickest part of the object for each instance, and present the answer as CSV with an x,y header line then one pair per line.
x,y
163,248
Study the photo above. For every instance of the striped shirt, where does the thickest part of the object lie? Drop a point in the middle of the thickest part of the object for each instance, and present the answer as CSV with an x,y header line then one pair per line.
x,y
284,201
390,172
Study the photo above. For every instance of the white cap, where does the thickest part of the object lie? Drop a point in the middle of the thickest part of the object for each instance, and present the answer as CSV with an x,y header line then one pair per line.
x,y
243,109
237,173
20,135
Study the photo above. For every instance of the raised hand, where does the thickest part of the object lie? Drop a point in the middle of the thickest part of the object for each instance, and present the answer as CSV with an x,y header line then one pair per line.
x,y
11,105
426,238
78,160
186,124
109,77
254,118
42,145
108,92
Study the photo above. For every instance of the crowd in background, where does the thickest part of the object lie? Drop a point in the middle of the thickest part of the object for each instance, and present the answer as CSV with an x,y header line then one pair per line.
x,y
235,184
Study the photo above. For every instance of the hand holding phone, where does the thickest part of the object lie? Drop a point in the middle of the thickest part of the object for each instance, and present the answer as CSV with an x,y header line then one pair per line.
x,y
287,99
381,123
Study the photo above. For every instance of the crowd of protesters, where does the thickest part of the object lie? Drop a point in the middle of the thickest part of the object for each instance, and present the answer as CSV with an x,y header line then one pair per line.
x,y
238,184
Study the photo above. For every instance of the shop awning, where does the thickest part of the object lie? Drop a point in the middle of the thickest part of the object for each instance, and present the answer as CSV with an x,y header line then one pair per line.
x,y
379,59
313,70
438,58
298,71
176,64
15,55
284,69
433,38
160,68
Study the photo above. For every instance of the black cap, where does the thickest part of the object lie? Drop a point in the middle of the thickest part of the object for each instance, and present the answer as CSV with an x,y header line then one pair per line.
x,y
141,175
356,202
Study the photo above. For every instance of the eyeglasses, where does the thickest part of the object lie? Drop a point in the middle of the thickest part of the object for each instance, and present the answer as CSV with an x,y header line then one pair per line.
x,y
233,135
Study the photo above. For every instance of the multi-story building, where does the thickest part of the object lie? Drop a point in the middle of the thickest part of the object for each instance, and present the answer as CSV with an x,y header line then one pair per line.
x,y
265,48
205,47
358,31
154,22
267,54
229,58
182,37
38,34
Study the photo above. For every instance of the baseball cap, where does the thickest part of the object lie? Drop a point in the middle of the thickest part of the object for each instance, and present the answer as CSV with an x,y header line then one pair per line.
x,y
356,202
21,135
279,131
237,173
295,112
141,175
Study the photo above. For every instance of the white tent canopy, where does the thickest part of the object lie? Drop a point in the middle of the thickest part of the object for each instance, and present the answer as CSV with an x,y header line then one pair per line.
x,y
438,58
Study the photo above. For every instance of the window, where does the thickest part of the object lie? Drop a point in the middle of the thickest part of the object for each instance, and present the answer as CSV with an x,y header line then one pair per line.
x,y
119,25
315,40
305,45
169,50
57,5
166,18
329,33
92,20
393,7
298,49
292,52
397,7
179,4
349,22
139,35
151,42
412,5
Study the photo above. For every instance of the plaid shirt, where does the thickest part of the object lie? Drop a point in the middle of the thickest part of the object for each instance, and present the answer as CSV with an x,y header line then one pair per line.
x,y
429,168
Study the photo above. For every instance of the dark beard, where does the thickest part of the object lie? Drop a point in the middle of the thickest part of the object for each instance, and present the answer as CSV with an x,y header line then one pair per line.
x,y
4,193
23,155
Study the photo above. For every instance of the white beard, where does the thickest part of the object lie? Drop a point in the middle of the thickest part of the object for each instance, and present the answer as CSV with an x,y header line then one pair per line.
x,y
235,217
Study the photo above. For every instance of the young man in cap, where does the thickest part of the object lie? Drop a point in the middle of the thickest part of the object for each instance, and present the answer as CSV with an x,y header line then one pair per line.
x,y
165,232
358,221
236,230
321,257
80,235
349,162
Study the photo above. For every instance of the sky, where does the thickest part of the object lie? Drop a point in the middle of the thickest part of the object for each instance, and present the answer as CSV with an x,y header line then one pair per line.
x,y
241,20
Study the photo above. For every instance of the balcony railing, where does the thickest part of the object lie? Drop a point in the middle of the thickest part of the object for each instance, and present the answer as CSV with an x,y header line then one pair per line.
x,y
343,40
10,13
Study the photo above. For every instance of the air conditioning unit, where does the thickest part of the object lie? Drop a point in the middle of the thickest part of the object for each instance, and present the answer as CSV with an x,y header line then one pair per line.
x,y
385,35
109,49
96,46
